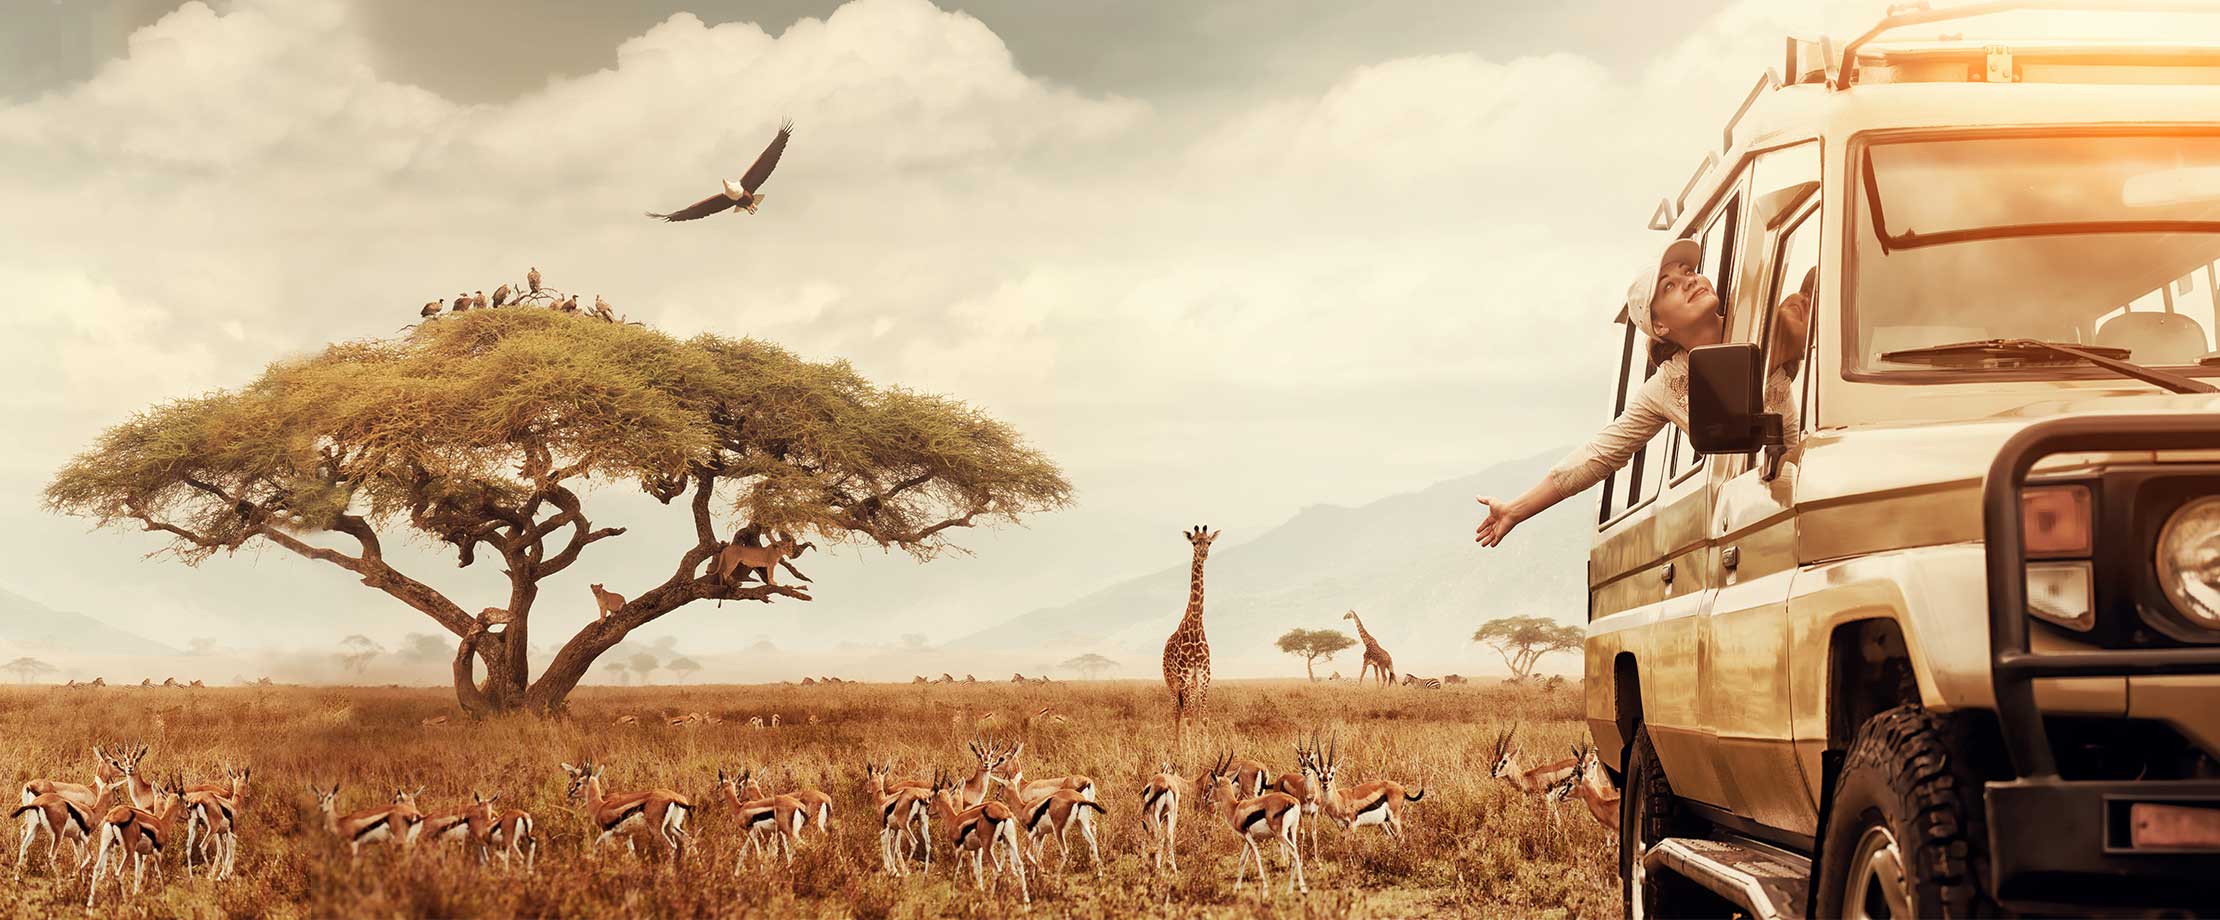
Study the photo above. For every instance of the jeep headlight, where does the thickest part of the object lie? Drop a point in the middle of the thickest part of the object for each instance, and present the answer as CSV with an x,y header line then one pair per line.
x,y
2188,561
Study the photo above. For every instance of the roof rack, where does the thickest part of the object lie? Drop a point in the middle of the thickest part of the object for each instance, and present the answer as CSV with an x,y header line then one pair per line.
x,y
1901,15
1669,209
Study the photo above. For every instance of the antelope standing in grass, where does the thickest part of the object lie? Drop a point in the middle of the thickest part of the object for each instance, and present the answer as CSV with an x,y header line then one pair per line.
x,y
977,830
512,836
1379,802
659,810
1160,812
211,810
815,804
1042,788
66,818
1271,816
1530,780
1305,786
62,804
467,825
394,823
978,788
1588,783
905,818
1054,815
780,816
139,833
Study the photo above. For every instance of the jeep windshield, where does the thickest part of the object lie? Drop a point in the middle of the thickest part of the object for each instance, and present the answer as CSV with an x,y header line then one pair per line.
x,y
2106,241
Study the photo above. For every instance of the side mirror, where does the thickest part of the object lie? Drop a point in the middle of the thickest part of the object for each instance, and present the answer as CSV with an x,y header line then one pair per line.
x,y
1725,412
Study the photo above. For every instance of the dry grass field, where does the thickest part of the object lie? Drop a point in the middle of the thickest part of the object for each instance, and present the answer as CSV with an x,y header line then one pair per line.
x,y
1475,847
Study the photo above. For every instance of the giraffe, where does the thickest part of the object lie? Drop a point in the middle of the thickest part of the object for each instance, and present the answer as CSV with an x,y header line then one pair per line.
x,y
1375,657
1187,652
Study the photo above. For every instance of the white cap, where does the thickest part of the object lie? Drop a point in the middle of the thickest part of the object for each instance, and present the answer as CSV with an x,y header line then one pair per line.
x,y
1644,289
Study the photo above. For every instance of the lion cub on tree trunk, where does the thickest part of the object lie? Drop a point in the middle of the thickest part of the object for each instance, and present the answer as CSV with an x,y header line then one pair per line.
x,y
609,601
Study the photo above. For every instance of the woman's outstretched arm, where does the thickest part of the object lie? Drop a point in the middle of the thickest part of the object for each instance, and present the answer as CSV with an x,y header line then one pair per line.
x,y
1652,408
1504,515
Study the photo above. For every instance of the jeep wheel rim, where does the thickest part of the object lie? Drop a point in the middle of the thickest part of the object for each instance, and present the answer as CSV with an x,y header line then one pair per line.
x,y
1638,878
1878,886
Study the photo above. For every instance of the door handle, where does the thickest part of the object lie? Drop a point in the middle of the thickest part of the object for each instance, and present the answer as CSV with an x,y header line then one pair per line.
x,y
1731,557
1668,573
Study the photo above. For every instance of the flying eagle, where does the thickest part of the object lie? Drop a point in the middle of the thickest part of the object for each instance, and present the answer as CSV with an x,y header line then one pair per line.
x,y
739,195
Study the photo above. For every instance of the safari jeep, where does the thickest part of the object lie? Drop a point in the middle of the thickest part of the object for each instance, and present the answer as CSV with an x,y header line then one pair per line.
x,y
1956,648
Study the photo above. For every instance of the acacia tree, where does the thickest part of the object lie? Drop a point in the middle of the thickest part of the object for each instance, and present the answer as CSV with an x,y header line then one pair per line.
x,y
482,430
357,652
684,667
1523,640
1090,665
1314,644
27,668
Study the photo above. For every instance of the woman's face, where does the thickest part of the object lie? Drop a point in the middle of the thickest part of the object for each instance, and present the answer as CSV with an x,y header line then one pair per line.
x,y
1684,309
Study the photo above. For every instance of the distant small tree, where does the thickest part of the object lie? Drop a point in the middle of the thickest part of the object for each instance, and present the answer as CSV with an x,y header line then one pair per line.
x,y
644,663
1311,645
618,672
1090,665
1523,640
684,667
356,652
27,668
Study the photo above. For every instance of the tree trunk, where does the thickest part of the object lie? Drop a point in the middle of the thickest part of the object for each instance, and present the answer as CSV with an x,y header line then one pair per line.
x,y
1310,671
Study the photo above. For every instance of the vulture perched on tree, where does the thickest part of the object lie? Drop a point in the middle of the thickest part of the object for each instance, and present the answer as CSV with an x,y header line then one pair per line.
x,y
462,302
601,309
430,310
479,300
740,194
532,279
500,295
571,305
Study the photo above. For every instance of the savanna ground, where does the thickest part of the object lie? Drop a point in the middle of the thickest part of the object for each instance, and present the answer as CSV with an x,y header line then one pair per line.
x,y
1475,847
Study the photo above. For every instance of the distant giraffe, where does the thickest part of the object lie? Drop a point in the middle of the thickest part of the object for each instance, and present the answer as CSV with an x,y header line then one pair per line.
x,y
1187,652
1375,657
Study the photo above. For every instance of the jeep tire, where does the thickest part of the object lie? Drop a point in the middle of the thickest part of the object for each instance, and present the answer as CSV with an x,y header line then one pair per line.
x,y
1903,834
1648,813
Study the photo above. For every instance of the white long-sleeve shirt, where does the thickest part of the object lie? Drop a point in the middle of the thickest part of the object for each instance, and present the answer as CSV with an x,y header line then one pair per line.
x,y
1660,400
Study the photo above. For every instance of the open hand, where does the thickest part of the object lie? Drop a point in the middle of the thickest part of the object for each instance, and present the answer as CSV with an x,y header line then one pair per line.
x,y
1501,518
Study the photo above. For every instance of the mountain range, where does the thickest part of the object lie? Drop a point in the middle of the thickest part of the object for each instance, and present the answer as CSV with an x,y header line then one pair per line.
x,y
1406,564
29,627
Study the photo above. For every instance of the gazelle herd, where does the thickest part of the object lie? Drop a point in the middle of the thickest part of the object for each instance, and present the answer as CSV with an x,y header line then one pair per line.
x,y
992,815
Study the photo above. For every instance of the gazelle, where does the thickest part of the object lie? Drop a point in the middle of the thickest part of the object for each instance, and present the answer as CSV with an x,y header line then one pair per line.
x,y
1271,816
511,836
1042,788
393,823
66,818
140,833
1160,812
815,804
54,815
1588,783
1250,777
661,810
1055,814
903,806
210,813
1530,780
976,789
780,816
1379,802
466,825
978,829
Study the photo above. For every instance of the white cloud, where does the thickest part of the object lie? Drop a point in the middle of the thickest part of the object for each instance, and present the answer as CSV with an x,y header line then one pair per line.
x,y
1174,303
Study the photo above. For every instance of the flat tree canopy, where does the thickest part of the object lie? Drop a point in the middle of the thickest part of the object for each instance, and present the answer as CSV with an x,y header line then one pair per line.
x,y
478,430
1313,644
1523,640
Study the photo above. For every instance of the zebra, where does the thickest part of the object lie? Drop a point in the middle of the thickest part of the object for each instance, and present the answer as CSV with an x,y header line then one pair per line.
x,y
1422,683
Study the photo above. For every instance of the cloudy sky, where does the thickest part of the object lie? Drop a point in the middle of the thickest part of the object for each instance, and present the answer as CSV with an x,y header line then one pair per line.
x,y
1222,262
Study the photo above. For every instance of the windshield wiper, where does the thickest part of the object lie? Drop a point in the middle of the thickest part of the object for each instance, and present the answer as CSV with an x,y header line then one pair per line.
x,y
1985,351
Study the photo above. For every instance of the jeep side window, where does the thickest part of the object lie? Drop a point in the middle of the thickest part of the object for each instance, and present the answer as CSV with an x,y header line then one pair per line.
x,y
1795,270
1623,489
1719,237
